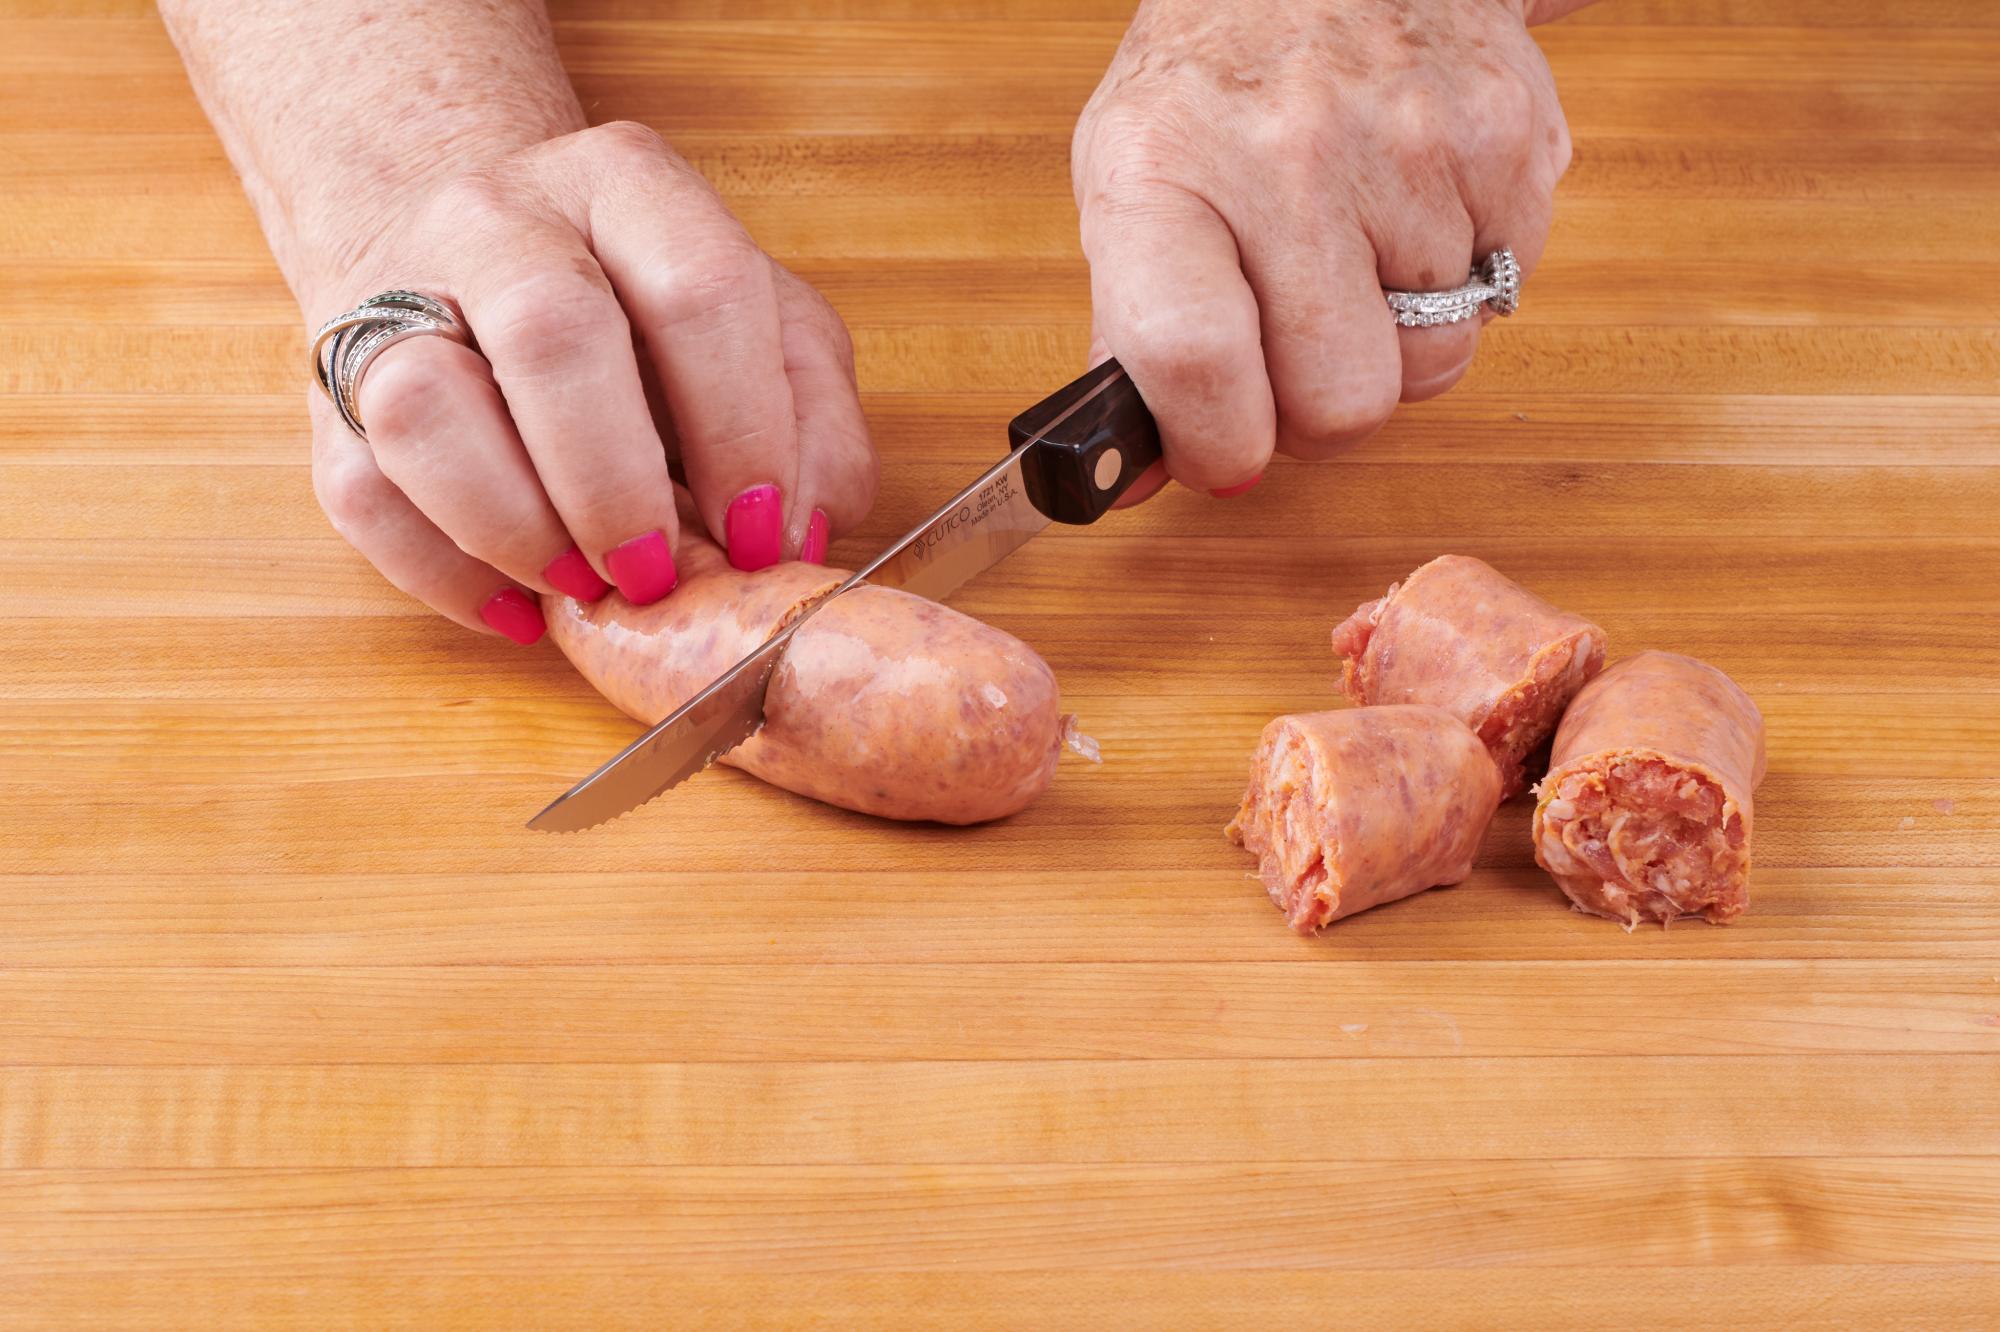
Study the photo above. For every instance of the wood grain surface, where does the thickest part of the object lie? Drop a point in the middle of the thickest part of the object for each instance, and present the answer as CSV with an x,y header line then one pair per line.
x,y
299,1027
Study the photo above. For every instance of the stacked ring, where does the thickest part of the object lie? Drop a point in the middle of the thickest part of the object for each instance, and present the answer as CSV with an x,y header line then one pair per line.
x,y
1496,283
347,344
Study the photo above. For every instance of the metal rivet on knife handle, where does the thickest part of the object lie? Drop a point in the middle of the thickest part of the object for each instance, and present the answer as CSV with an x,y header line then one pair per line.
x,y
1109,464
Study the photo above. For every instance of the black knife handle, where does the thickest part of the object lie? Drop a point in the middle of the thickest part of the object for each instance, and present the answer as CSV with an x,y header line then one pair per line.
x,y
1092,456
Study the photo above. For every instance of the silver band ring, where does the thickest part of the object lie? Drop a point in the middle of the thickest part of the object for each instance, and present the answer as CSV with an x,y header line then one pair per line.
x,y
1495,283
347,344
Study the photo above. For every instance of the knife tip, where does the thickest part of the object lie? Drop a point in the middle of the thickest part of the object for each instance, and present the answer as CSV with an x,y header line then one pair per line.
x,y
557,818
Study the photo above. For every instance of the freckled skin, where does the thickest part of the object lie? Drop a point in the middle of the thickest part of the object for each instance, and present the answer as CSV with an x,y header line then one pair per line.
x,y
590,273
1251,175
620,316
885,703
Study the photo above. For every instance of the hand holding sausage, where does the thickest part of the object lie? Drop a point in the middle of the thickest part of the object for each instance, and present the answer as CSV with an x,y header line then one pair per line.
x,y
622,316
1252,175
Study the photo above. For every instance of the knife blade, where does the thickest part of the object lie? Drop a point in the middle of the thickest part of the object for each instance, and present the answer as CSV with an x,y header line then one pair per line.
x,y
1074,453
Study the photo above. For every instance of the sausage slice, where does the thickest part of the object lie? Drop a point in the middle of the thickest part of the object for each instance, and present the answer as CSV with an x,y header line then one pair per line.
x,y
1460,635
1646,811
1350,809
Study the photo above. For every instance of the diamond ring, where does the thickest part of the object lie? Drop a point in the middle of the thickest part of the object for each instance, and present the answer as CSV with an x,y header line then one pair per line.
x,y
1497,283
347,344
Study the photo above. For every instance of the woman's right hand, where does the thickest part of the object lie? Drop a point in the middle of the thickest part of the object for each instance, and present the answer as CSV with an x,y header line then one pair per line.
x,y
622,316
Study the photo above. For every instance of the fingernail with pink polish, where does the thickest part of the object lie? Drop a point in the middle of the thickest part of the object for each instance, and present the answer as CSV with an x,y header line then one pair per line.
x,y
1228,492
813,551
511,613
754,528
570,574
643,568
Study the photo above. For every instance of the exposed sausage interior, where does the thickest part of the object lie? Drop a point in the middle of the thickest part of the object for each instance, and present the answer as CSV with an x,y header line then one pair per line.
x,y
1289,821
1523,718
884,703
1350,643
1464,637
1642,838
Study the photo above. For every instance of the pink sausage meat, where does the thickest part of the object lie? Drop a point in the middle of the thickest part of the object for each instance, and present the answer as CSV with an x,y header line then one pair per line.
x,y
1350,809
1646,811
884,703
1459,635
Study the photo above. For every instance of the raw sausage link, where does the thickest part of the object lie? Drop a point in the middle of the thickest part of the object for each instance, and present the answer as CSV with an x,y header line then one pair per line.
x,y
1646,811
1350,809
884,702
1460,635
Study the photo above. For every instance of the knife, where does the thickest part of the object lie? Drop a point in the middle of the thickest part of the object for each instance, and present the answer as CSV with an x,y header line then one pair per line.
x,y
1073,454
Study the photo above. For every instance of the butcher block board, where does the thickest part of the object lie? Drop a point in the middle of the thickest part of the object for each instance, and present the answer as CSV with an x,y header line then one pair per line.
x,y
299,1027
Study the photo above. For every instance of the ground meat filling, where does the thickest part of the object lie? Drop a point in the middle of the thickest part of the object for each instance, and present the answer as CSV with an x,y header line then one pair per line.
x,y
1287,823
1644,839
1350,642
1515,723
1524,718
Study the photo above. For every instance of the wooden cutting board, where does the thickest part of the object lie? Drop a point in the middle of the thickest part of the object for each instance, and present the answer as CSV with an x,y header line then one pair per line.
x,y
299,1027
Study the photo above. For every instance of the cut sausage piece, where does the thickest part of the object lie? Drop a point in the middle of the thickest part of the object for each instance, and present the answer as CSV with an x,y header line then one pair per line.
x,y
1350,809
884,702
1645,813
1460,635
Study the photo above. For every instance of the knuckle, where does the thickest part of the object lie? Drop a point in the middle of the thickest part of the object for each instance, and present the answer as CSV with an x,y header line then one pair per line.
x,y
824,320
1202,463
823,323
403,394
606,508
697,281
748,428
353,493
867,480
847,480
1294,141
858,462
834,329
1509,100
1340,414
501,537
1561,149
1500,118
1414,128
627,141
821,347
1127,202
803,310
1130,159
549,319
1179,345
473,204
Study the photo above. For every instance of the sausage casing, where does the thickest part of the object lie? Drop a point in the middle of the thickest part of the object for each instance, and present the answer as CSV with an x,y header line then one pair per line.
x,y
884,702
1646,811
1460,635
1353,808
